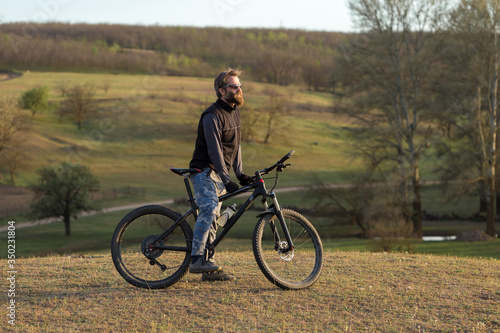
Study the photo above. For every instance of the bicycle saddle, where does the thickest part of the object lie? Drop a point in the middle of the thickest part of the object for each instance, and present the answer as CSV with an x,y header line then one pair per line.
x,y
185,172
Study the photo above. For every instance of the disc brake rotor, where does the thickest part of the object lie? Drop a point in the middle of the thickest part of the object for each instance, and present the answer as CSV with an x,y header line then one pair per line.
x,y
286,256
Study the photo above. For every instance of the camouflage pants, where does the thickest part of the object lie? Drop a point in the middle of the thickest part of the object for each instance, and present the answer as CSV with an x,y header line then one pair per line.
x,y
207,188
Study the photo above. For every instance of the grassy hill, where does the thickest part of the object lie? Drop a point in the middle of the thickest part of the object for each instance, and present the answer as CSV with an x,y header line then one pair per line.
x,y
370,292
145,124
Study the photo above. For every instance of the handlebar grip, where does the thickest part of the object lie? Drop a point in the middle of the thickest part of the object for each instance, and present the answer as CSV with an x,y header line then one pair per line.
x,y
287,156
271,168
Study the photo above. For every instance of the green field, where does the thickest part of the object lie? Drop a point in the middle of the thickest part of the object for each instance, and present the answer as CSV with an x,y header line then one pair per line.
x,y
145,124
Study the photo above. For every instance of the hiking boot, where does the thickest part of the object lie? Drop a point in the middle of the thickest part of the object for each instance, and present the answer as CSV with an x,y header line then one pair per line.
x,y
217,276
202,266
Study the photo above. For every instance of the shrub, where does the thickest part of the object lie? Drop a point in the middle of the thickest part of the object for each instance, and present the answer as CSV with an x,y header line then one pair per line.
x,y
36,99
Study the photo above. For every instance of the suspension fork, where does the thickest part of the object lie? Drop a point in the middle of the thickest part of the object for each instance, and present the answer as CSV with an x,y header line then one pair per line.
x,y
281,218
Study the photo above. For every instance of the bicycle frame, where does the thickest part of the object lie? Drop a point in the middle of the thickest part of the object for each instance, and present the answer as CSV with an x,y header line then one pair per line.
x,y
259,190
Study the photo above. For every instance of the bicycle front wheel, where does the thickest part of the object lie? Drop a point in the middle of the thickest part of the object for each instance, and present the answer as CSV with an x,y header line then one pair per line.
x,y
295,268
145,260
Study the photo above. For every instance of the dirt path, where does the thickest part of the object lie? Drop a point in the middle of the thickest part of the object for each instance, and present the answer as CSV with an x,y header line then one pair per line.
x,y
164,202
4,76
90,213
114,209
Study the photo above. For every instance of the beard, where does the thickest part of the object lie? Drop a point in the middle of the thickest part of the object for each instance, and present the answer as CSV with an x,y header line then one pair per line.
x,y
236,98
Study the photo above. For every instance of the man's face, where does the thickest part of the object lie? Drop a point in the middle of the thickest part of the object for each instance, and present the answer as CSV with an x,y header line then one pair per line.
x,y
232,93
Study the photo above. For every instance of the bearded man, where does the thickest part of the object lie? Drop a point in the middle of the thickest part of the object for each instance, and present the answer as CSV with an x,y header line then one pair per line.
x,y
217,150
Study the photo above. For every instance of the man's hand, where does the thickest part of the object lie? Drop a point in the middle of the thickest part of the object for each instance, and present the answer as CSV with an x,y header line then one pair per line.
x,y
231,187
245,180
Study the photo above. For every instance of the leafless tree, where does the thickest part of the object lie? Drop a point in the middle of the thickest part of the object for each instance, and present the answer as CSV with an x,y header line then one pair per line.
x,y
10,123
105,85
317,73
278,66
15,156
62,86
389,77
477,25
274,113
351,200
249,120
79,102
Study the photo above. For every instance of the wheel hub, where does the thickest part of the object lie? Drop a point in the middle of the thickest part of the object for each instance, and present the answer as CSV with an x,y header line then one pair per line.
x,y
148,247
283,251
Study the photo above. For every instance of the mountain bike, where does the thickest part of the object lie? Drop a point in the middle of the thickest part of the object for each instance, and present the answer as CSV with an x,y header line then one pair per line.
x,y
151,246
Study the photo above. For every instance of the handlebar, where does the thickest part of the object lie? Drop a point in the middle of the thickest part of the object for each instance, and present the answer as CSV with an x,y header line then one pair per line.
x,y
279,163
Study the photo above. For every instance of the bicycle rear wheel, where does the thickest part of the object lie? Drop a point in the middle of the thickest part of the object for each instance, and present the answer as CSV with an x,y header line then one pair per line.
x,y
295,269
135,252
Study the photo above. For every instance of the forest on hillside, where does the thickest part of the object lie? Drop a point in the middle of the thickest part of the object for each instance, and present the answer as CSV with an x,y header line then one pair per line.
x,y
275,56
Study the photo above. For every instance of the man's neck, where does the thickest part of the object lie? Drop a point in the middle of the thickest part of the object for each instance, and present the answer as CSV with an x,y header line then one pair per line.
x,y
231,104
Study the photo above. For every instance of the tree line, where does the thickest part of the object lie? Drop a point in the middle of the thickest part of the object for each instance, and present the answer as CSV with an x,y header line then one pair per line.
x,y
421,80
276,56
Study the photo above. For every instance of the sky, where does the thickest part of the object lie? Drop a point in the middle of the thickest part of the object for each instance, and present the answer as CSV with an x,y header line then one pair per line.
x,y
326,15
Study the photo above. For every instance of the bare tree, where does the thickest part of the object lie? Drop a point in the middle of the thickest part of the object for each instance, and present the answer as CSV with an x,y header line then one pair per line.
x,y
249,121
277,66
477,23
62,86
275,110
389,84
351,200
79,100
10,123
106,84
316,73
14,156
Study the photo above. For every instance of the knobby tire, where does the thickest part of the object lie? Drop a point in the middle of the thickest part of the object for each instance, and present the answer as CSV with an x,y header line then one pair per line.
x,y
295,269
137,231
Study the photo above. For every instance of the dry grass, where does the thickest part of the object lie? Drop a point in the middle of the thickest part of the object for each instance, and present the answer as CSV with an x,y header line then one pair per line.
x,y
370,292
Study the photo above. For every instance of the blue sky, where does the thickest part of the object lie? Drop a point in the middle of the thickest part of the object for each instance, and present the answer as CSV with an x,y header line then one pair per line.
x,y
329,15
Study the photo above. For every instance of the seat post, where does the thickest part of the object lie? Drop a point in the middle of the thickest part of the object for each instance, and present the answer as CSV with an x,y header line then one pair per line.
x,y
189,191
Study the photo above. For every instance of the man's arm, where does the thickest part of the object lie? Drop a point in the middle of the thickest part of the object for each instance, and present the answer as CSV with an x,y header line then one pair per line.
x,y
238,164
238,170
213,133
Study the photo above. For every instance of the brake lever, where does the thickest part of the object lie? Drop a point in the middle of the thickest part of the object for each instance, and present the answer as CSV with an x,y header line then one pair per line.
x,y
282,167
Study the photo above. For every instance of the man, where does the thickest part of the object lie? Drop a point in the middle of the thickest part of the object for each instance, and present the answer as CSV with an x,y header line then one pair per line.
x,y
217,150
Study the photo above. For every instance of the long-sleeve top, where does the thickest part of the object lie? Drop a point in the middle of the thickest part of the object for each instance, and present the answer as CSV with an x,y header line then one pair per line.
x,y
218,142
